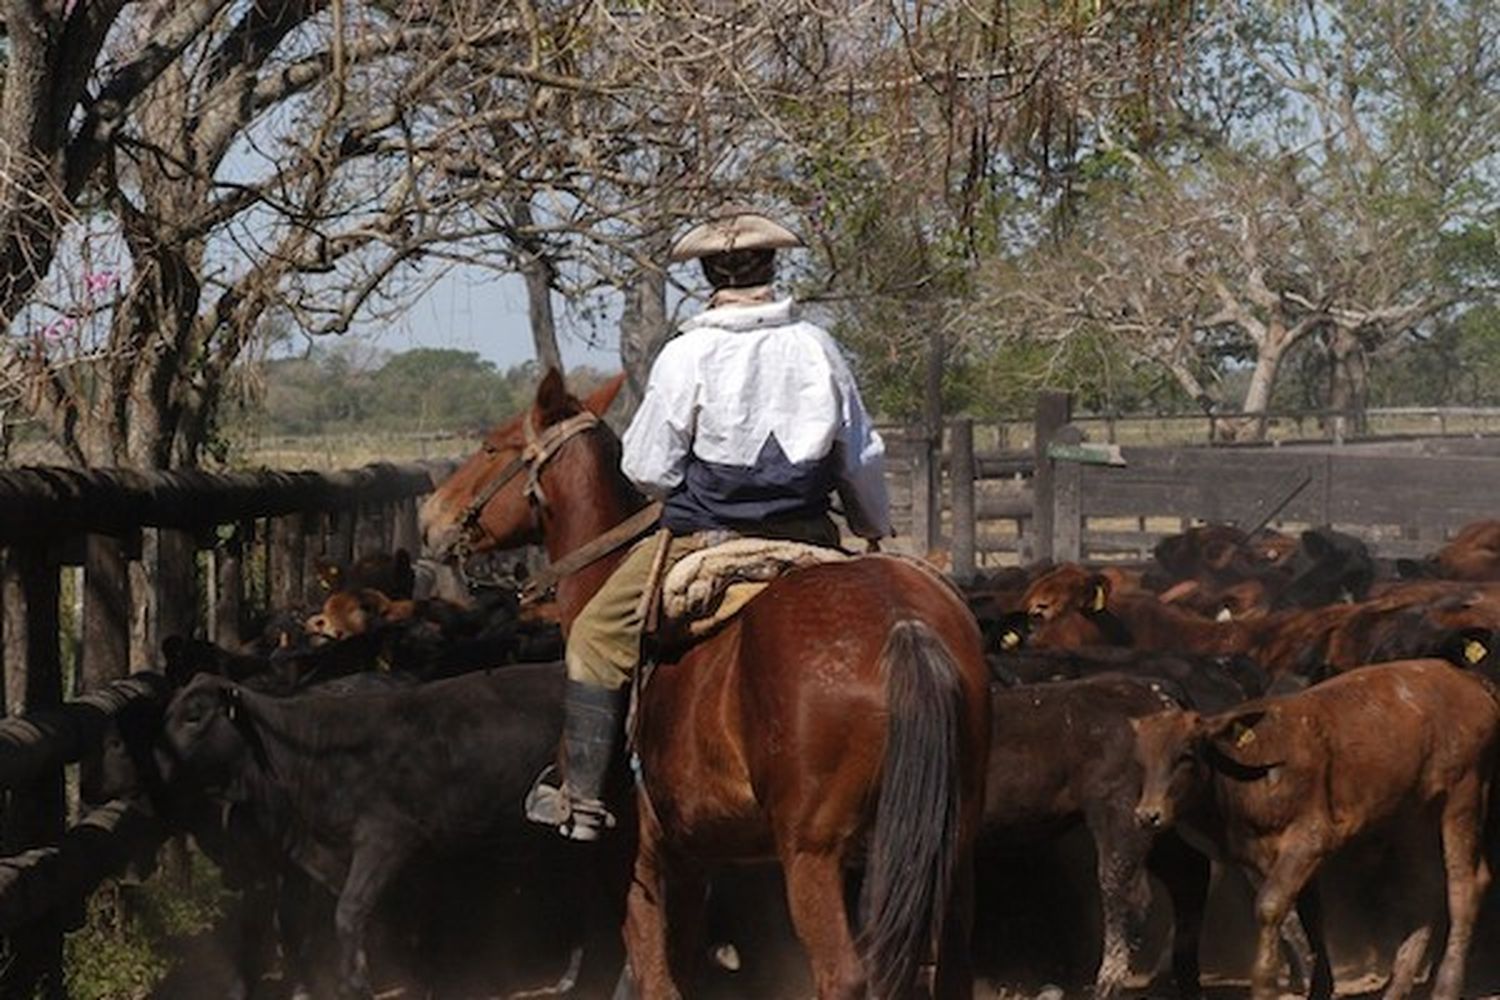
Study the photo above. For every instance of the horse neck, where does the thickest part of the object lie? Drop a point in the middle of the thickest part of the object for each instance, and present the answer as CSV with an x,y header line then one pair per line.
x,y
598,499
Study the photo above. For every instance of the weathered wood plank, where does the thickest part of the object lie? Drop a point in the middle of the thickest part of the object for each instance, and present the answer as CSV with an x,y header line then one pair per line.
x,y
43,501
962,486
106,612
47,737
1053,411
40,882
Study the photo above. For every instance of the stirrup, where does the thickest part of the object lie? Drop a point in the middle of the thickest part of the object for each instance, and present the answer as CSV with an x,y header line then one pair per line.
x,y
558,806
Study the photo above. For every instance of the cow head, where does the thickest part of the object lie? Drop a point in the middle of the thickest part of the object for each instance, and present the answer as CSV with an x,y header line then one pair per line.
x,y
348,613
208,733
1178,751
1069,587
1330,567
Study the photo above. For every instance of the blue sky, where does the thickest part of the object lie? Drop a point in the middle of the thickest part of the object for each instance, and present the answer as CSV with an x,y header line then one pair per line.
x,y
475,309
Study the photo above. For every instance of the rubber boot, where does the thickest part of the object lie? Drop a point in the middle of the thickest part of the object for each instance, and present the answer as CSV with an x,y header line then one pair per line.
x,y
592,720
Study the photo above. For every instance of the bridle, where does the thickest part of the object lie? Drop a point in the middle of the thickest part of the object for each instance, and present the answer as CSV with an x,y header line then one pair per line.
x,y
539,450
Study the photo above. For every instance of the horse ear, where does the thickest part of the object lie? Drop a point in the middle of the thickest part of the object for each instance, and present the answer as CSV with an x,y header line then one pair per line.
x,y
552,400
600,399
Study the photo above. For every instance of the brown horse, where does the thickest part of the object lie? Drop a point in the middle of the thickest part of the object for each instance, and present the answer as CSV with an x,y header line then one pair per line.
x,y
842,719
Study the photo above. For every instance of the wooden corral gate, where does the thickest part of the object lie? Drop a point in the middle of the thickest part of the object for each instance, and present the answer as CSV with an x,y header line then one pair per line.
x,y
152,555
1060,499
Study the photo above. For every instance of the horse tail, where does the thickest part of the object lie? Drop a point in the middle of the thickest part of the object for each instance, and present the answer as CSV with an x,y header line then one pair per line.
x,y
915,843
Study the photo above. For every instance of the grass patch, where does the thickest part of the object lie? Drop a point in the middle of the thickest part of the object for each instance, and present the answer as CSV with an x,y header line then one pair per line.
x,y
126,944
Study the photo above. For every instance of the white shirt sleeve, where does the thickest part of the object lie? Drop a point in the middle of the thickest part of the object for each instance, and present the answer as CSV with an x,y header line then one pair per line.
x,y
861,457
657,442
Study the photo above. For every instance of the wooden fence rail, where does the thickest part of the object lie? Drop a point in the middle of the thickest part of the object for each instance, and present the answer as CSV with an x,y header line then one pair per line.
x,y
1404,496
157,554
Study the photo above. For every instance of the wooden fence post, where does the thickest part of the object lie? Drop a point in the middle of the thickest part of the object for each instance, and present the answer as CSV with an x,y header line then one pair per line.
x,y
369,531
176,590
314,543
227,617
106,611
35,815
961,474
406,530
341,540
926,497
1067,501
1053,411
284,562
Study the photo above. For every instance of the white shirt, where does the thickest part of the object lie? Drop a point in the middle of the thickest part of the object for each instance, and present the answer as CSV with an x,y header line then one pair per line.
x,y
739,374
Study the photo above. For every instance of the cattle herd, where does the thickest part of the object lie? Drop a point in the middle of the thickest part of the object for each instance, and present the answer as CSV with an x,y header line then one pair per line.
x,y
1237,711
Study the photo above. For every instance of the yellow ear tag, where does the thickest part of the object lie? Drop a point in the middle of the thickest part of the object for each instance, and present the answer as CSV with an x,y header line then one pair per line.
x,y
1246,737
1010,640
1099,598
1474,651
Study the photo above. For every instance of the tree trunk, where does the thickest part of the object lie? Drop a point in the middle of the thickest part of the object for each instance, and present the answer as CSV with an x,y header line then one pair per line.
x,y
1262,381
643,329
1349,387
539,274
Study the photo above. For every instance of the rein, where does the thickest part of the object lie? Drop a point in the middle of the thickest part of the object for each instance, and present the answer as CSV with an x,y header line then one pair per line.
x,y
541,449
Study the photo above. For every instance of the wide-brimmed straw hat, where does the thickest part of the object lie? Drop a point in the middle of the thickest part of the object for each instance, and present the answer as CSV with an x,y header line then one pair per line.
x,y
733,228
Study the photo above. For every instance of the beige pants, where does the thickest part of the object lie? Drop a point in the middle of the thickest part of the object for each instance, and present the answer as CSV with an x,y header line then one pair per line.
x,y
604,644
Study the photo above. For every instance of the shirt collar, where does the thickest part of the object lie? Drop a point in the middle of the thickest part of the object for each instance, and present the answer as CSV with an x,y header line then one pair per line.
x,y
743,317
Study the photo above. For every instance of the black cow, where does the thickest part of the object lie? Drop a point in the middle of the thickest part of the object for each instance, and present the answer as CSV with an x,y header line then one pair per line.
x,y
1212,683
1063,754
357,786
132,763
1328,567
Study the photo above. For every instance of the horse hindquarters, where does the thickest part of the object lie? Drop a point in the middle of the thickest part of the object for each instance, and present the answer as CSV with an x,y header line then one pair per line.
x,y
919,848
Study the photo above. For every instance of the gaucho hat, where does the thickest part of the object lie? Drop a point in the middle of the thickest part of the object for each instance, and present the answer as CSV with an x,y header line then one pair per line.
x,y
733,227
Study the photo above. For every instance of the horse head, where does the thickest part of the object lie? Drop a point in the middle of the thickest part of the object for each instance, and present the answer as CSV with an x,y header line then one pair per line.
x,y
532,474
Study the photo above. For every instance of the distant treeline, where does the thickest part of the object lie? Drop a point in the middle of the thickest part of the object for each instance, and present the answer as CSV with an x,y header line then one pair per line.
x,y
337,390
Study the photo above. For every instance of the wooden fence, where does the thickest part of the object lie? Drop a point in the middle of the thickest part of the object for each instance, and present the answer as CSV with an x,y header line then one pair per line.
x,y
1068,496
150,555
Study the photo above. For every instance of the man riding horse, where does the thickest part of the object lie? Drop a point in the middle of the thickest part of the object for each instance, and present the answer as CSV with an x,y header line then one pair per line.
x,y
751,418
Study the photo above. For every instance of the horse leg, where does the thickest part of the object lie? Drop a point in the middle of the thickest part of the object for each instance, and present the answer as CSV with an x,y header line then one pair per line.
x,y
376,860
659,916
1124,895
1185,873
1468,877
815,895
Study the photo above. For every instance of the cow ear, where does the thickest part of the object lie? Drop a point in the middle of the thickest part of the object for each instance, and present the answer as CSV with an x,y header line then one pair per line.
x,y
232,704
1098,593
1468,647
1218,554
1236,749
328,574
552,400
598,401
1315,544
1008,632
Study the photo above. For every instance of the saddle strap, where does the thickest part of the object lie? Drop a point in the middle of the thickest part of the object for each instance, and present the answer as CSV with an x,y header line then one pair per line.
x,y
538,587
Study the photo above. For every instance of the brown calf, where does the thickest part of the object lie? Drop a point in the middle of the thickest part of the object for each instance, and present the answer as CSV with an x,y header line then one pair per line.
x,y
1473,554
1280,784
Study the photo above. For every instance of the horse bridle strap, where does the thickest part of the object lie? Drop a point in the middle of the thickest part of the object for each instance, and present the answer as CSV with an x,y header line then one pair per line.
x,y
538,452
537,587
